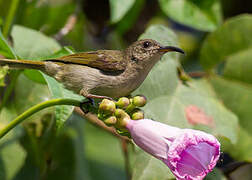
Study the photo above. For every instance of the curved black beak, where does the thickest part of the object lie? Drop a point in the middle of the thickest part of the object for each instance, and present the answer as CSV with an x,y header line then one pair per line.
x,y
171,48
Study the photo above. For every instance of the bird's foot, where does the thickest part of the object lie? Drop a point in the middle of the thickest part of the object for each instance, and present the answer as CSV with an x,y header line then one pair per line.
x,y
86,105
99,97
85,93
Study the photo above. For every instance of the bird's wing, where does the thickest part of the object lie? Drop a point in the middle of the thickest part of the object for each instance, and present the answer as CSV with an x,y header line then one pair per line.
x,y
106,60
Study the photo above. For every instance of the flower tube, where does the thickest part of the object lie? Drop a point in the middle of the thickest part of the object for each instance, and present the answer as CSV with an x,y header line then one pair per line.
x,y
190,154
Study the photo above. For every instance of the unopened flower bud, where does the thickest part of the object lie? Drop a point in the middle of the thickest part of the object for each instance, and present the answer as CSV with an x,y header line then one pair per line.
x,y
122,118
110,121
139,101
137,114
123,103
107,107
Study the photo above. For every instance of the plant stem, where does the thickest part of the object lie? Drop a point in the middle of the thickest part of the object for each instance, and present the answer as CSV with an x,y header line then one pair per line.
x,y
10,16
35,109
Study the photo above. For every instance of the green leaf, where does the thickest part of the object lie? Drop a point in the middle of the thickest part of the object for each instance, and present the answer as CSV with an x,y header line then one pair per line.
x,y
239,66
237,97
203,15
5,49
31,44
231,38
172,110
118,9
148,168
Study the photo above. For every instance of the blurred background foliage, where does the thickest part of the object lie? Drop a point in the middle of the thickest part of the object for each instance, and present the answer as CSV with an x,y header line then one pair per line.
x,y
56,143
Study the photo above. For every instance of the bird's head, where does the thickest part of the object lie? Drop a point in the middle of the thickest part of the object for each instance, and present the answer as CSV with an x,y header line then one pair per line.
x,y
147,52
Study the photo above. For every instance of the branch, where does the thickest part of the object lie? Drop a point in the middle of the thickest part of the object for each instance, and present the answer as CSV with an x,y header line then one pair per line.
x,y
126,158
94,120
197,74
70,23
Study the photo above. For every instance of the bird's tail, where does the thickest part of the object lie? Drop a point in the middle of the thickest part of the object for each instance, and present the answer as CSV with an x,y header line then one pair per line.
x,y
23,64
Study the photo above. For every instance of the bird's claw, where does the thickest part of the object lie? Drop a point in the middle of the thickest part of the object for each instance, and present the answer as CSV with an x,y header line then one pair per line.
x,y
85,105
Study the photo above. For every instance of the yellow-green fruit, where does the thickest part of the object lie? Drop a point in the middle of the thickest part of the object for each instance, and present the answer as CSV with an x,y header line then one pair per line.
x,y
137,115
123,103
122,118
110,121
107,107
139,101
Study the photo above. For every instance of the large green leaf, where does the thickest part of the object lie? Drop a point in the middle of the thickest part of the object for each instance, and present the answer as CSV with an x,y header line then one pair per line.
x,y
203,15
239,66
119,8
237,97
173,110
172,102
228,40
231,43
147,167
31,44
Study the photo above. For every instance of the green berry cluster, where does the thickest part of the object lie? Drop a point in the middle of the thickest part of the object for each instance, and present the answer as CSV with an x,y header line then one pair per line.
x,y
117,113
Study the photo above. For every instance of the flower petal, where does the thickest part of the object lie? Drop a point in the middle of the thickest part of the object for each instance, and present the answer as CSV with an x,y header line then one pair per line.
x,y
193,154
146,136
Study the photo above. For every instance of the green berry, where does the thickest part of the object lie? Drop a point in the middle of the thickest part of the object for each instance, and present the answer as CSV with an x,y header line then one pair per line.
x,y
110,121
139,101
123,103
122,118
138,114
107,107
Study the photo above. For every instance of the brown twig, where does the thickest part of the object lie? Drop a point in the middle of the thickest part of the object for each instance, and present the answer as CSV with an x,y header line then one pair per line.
x,y
70,23
126,158
197,74
94,120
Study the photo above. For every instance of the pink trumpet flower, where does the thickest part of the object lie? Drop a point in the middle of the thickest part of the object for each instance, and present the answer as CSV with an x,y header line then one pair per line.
x,y
190,154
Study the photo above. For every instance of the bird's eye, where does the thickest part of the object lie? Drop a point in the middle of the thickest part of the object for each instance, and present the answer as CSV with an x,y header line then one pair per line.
x,y
146,44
